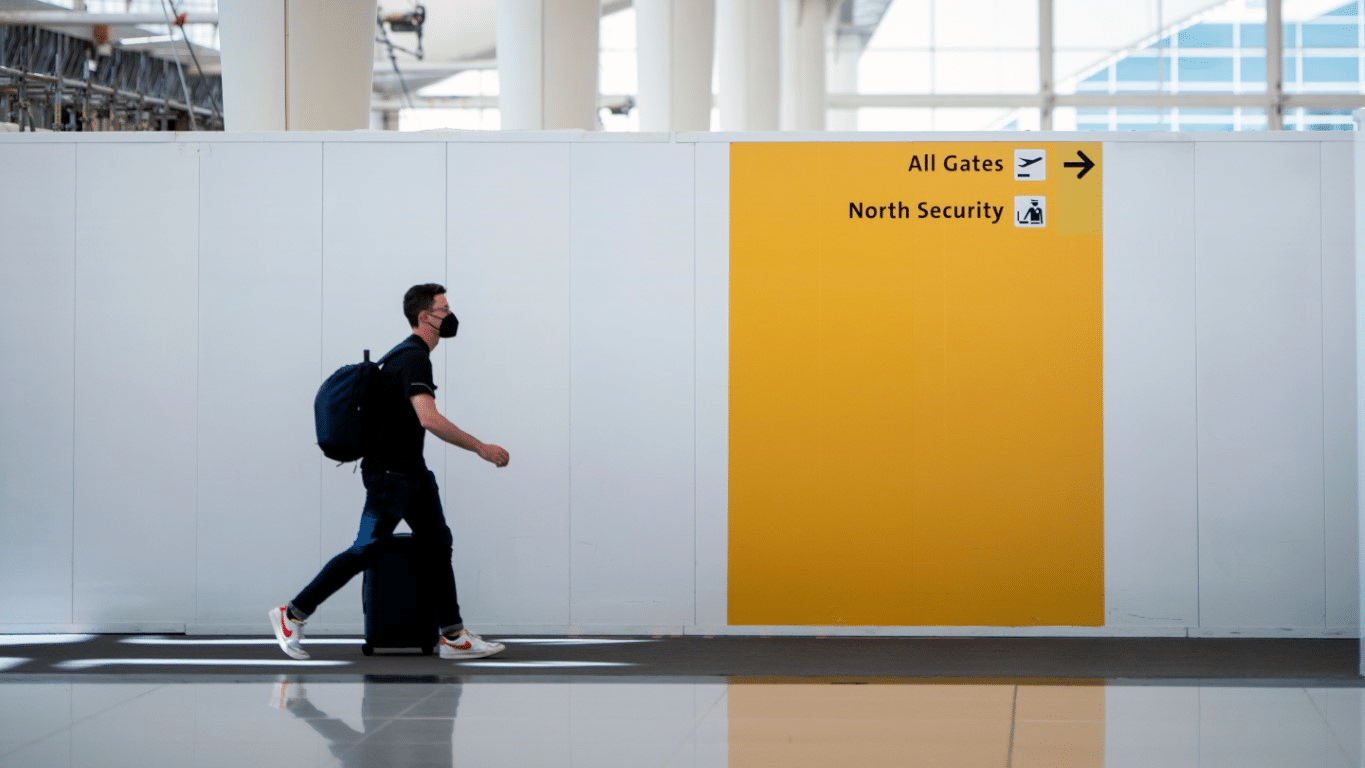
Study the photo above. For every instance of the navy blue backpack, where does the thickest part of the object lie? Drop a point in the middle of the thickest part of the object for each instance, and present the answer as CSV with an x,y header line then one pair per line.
x,y
345,408
342,408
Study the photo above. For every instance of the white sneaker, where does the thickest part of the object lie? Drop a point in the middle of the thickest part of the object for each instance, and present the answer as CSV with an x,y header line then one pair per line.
x,y
288,632
468,645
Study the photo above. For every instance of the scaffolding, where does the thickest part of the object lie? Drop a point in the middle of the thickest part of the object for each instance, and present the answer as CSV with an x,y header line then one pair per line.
x,y
54,81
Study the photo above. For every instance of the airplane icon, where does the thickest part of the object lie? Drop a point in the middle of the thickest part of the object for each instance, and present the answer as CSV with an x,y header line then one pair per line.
x,y
1030,164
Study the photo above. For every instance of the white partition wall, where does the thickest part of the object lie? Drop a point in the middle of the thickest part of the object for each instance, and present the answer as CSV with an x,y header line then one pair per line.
x,y
38,318
1358,219
1150,444
136,398
1340,499
169,304
633,385
509,236
713,381
1258,295
260,265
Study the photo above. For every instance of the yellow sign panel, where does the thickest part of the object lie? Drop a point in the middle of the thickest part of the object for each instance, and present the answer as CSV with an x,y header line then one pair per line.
x,y
916,393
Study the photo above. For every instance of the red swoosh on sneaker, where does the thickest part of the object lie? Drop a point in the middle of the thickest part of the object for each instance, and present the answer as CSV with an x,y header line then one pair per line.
x,y
285,627
466,645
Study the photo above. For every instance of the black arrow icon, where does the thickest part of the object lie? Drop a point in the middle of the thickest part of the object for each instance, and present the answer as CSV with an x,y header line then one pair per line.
x,y
1085,164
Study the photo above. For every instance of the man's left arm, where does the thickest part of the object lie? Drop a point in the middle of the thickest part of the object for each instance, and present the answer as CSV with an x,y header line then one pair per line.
x,y
434,422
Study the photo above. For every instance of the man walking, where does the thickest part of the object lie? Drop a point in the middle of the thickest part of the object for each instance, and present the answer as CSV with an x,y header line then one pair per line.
x,y
398,485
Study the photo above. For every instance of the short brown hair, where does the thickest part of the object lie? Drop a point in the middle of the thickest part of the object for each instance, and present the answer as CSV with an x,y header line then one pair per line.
x,y
418,299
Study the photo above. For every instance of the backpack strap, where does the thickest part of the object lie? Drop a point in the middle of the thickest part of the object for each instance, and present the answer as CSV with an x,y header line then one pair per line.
x,y
403,345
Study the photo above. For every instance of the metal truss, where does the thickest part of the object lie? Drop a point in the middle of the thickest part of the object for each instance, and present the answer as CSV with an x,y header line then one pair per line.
x,y
53,81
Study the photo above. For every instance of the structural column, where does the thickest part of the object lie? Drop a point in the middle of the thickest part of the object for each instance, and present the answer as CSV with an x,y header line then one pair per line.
x,y
804,26
748,61
1047,88
1274,64
297,65
675,49
547,63
843,78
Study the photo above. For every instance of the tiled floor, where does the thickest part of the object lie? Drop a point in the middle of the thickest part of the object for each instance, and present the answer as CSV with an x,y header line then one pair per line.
x,y
606,723
177,715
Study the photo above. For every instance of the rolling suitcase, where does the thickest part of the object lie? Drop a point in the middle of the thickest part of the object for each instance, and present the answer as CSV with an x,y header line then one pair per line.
x,y
398,612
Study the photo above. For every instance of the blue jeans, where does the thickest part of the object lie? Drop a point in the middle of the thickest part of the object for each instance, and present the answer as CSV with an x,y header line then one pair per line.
x,y
390,497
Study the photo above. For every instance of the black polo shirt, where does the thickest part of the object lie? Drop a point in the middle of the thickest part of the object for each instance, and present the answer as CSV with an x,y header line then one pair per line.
x,y
397,443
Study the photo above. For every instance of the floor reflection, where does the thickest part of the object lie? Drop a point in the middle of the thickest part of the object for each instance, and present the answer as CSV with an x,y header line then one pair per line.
x,y
923,724
408,725
694,722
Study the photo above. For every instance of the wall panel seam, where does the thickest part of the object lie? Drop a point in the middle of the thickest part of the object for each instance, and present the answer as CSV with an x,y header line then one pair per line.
x,y
1322,383
198,362
696,416
569,401
1198,484
75,293
322,321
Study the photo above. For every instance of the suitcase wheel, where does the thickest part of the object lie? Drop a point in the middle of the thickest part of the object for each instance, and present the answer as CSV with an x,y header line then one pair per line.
x,y
367,649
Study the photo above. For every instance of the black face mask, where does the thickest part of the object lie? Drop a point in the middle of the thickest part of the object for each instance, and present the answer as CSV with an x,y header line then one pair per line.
x,y
450,325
